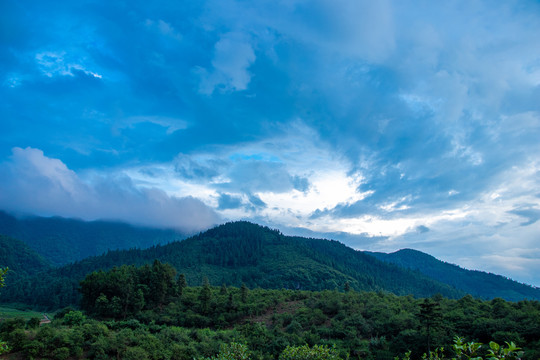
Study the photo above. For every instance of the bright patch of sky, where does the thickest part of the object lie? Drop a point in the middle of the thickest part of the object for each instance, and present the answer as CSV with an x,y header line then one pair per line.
x,y
386,124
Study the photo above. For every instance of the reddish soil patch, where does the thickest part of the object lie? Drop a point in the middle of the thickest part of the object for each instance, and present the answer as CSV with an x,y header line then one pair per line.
x,y
288,307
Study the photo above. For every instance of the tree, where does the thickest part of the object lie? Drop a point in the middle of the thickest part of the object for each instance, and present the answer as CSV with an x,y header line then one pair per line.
x,y
223,290
244,293
205,295
3,346
2,274
182,283
232,351
431,316
73,318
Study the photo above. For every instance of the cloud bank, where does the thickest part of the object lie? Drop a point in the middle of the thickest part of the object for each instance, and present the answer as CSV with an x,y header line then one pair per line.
x,y
35,183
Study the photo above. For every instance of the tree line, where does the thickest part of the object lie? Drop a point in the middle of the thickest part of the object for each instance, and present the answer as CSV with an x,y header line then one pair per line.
x,y
152,312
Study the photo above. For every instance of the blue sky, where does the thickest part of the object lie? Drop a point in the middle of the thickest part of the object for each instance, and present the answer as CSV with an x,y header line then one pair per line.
x,y
384,124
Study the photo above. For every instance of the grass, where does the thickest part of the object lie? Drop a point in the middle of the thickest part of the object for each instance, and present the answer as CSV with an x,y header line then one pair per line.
x,y
8,313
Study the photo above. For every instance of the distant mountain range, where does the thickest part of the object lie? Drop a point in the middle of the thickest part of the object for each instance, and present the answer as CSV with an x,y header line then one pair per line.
x,y
476,283
62,241
236,253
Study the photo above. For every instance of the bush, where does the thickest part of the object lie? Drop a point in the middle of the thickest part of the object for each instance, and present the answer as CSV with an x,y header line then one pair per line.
x,y
74,318
233,351
470,351
317,352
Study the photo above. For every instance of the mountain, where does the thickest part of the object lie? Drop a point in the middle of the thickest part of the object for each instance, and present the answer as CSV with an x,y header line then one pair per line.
x,y
62,241
22,261
477,283
20,258
243,252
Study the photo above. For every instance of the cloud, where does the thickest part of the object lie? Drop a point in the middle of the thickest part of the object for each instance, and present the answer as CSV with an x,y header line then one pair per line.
x,y
198,168
35,183
171,124
56,63
531,213
263,176
233,54
164,28
227,201
256,201
363,117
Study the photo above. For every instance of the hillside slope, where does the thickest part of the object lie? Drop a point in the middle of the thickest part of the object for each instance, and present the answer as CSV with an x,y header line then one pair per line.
x,y
242,252
476,283
22,261
19,257
62,241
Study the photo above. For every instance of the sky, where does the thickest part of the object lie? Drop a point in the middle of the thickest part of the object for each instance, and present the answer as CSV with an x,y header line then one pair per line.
x,y
382,124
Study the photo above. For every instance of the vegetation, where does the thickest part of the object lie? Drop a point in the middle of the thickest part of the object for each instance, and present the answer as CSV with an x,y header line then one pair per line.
x,y
21,312
240,253
3,345
62,241
140,312
476,283
321,300
244,253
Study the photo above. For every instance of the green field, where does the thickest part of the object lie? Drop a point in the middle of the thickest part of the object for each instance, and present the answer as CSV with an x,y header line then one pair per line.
x,y
8,313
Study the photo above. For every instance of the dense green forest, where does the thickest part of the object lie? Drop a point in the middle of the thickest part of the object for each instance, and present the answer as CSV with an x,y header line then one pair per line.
x,y
237,253
62,241
151,313
476,283
243,252
284,296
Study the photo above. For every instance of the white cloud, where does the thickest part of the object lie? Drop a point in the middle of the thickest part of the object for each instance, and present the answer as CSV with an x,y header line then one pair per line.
x,y
60,63
35,183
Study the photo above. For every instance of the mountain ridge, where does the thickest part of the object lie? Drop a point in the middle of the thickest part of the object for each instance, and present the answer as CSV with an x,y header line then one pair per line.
x,y
63,240
475,282
243,252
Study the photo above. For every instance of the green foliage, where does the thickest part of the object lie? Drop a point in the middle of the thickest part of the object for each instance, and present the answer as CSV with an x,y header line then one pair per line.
x,y
33,323
205,295
472,351
244,291
63,241
232,351
127,290
510,352
237,253
74,318
431,316
476,283
3,272
145,311
317,352
358,325
3,346
182,283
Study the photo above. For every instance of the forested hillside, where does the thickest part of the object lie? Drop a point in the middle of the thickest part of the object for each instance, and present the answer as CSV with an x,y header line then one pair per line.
x,y
20,258
237,253
150,313
62,241
476,283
